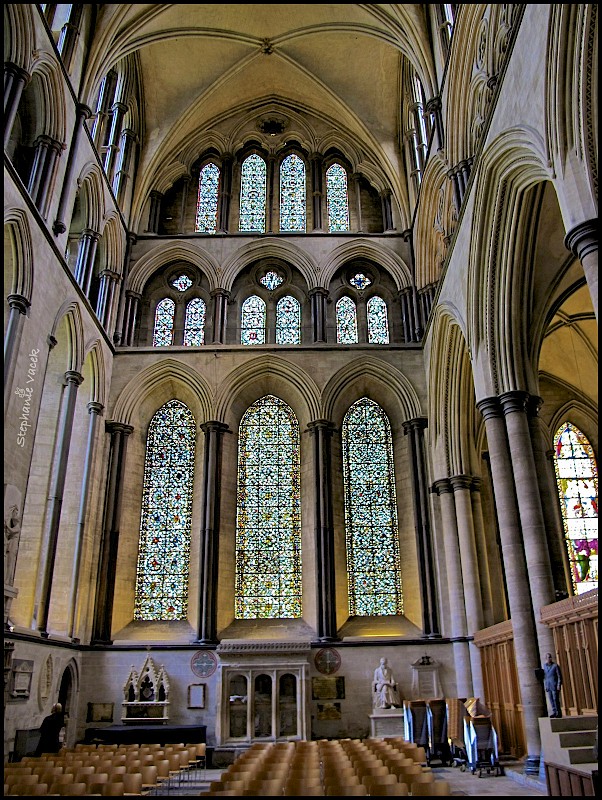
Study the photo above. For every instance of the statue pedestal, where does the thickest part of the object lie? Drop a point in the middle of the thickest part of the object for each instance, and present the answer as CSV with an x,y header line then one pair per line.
x,y
386,722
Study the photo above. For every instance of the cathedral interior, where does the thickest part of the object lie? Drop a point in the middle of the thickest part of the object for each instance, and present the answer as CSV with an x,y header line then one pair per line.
x,y
300,338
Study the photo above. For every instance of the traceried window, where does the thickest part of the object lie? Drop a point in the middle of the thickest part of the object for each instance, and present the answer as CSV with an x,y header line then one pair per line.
x,y
292,194
337,199
268,521
252,194
378,326
165,522
372,539
194,324
288,321
577,481
346,321
164,316
271,280
252,321
206,210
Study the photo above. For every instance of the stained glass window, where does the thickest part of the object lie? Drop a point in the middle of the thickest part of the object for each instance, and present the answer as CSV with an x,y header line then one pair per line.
x,y
378,326
346,321
164,314
292,194
577,480
194,324
165,522
337,200
252,321
268,522
288,321
252,194
360,281
206,208
271,280
181,283
372,539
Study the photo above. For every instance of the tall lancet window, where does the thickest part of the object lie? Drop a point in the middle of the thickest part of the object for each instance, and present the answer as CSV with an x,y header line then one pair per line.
x,y
252,321
165,522
194,324
292,194
252,194
372,537
337,199
288,321
577,480
346,321
163,331
206,208
268,521
378,326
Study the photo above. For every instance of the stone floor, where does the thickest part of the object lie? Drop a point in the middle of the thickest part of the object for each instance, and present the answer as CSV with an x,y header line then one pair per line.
x,y
513,783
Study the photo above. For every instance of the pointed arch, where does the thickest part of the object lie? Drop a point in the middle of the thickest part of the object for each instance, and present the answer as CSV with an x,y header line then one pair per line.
x,y
18,254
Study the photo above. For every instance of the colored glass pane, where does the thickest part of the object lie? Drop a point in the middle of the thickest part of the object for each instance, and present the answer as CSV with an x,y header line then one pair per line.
x,y
206,208
165,522
181,283
288,321
268,522
271,280
252,321
337,200
252,194
577,481
163,331
372,540
292,194
346,321
378,326
194,324
360,281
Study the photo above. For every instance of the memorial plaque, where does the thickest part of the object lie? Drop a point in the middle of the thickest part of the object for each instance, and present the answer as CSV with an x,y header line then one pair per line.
x,y
327,711
328,688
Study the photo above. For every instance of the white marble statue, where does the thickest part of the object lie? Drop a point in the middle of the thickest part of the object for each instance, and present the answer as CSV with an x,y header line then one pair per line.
x,y
385,690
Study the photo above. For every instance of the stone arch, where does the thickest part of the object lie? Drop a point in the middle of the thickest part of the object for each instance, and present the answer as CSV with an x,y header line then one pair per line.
x,y
435,223
390,261
269,248
70,314
148,264
96,377
18,254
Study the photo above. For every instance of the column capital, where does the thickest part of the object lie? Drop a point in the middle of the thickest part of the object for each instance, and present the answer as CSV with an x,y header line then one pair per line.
x,y
52,341
19,302
583,238
84,111
434,104
220,293
134,295
476,484
94,407
407,235
17,71
490,407
321,424
534,404
72,376
513,401
442,486
214,426
90,234
416,424
318,290
111,426
460,482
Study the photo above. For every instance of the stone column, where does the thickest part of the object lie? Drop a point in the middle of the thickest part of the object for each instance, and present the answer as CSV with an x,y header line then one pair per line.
x,y
19,307
434,107
548,490
407,314
94,410
15,80
385,198
119,335
517,580
470,571
357,191
482,552
452,174
123,176
84,264
451,547
220,306
106,293
119,110
225,193
154,212
107,559
210,532
582,241
271,181
132,302
69,34
318,298
54,502
184,202
82,113
317,166
415,429
46,155
529,508
321,432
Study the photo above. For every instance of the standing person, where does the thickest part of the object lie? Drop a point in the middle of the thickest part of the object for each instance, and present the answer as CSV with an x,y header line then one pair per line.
x,y
385,687
50,731
552,683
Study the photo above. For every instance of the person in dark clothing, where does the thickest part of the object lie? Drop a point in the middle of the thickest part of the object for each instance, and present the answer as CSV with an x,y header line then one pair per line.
x,y
552,683
50,731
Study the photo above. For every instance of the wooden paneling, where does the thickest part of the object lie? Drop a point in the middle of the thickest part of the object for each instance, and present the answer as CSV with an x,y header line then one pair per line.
x,y
564,782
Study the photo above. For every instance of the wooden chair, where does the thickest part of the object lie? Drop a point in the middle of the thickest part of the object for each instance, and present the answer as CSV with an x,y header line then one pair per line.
x,y
379,780
390,790
132,783
436,788
21,780
149,778
346,790
260,788
113,789
72,789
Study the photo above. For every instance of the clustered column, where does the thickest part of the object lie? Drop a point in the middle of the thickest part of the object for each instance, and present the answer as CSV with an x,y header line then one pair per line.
x,y
46,156
317,165
19,306
82,113
582,241
318,298
210,532
15,80
86,253
220,305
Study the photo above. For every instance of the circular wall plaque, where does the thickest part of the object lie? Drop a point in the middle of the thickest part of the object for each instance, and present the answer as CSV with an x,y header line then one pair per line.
x,y
327,661
203,663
